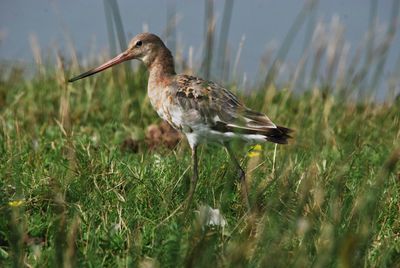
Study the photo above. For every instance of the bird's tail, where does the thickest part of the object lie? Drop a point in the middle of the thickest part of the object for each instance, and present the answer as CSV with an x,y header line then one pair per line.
x,y
278,135
255,126
259,123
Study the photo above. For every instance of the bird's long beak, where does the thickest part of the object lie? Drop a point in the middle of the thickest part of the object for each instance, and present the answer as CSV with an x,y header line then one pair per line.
x,y
124,56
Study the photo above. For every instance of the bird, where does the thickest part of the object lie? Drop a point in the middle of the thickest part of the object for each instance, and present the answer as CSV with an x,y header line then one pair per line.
x,y
204,111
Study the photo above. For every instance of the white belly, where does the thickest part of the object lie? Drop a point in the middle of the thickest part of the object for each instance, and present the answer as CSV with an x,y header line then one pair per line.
x,y
203,134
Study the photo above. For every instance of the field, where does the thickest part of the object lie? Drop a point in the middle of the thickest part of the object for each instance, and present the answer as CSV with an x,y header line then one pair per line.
x,y
85,183
72,193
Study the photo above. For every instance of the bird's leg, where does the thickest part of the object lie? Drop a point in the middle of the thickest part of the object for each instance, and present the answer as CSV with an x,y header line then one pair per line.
x,y
242,176
194,176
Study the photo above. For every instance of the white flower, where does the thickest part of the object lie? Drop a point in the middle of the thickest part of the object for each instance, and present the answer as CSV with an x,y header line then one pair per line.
x,y
211,217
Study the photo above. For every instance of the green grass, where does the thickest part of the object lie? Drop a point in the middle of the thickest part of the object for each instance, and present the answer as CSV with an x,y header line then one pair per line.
x,y
330,198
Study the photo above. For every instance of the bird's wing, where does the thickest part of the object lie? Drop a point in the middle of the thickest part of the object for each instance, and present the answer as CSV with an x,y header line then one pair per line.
x,y
218,107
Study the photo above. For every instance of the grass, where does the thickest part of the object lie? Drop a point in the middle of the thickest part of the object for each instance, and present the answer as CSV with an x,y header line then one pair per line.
x,y
69,196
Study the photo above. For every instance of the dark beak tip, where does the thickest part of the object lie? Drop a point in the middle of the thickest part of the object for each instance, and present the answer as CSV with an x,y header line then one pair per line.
x,y
73,79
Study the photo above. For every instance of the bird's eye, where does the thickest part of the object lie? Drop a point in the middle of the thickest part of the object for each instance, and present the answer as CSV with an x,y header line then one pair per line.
x,y
138,44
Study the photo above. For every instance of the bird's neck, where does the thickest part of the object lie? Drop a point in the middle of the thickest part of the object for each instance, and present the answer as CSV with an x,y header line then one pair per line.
x,y
162,66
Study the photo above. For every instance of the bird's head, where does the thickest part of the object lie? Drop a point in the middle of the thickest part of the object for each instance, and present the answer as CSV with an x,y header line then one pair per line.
x,y
144,47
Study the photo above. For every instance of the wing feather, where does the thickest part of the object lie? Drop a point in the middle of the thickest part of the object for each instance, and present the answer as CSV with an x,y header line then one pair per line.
x,y
221,110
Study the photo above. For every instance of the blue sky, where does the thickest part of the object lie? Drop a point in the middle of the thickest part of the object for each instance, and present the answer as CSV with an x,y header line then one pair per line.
x,y
263,23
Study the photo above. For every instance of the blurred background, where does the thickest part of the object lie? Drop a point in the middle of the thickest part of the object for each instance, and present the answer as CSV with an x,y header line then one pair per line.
x,y
300,44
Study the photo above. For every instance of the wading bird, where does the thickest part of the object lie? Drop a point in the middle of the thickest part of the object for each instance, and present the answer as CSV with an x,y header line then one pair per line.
x,y
203,110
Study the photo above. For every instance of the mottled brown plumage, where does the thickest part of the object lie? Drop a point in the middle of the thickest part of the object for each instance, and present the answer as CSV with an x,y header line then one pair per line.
x,y
203,110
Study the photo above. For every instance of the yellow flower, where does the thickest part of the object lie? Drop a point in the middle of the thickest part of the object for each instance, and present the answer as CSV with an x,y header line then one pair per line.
x,y
257,147
16,203
255,151
253,154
